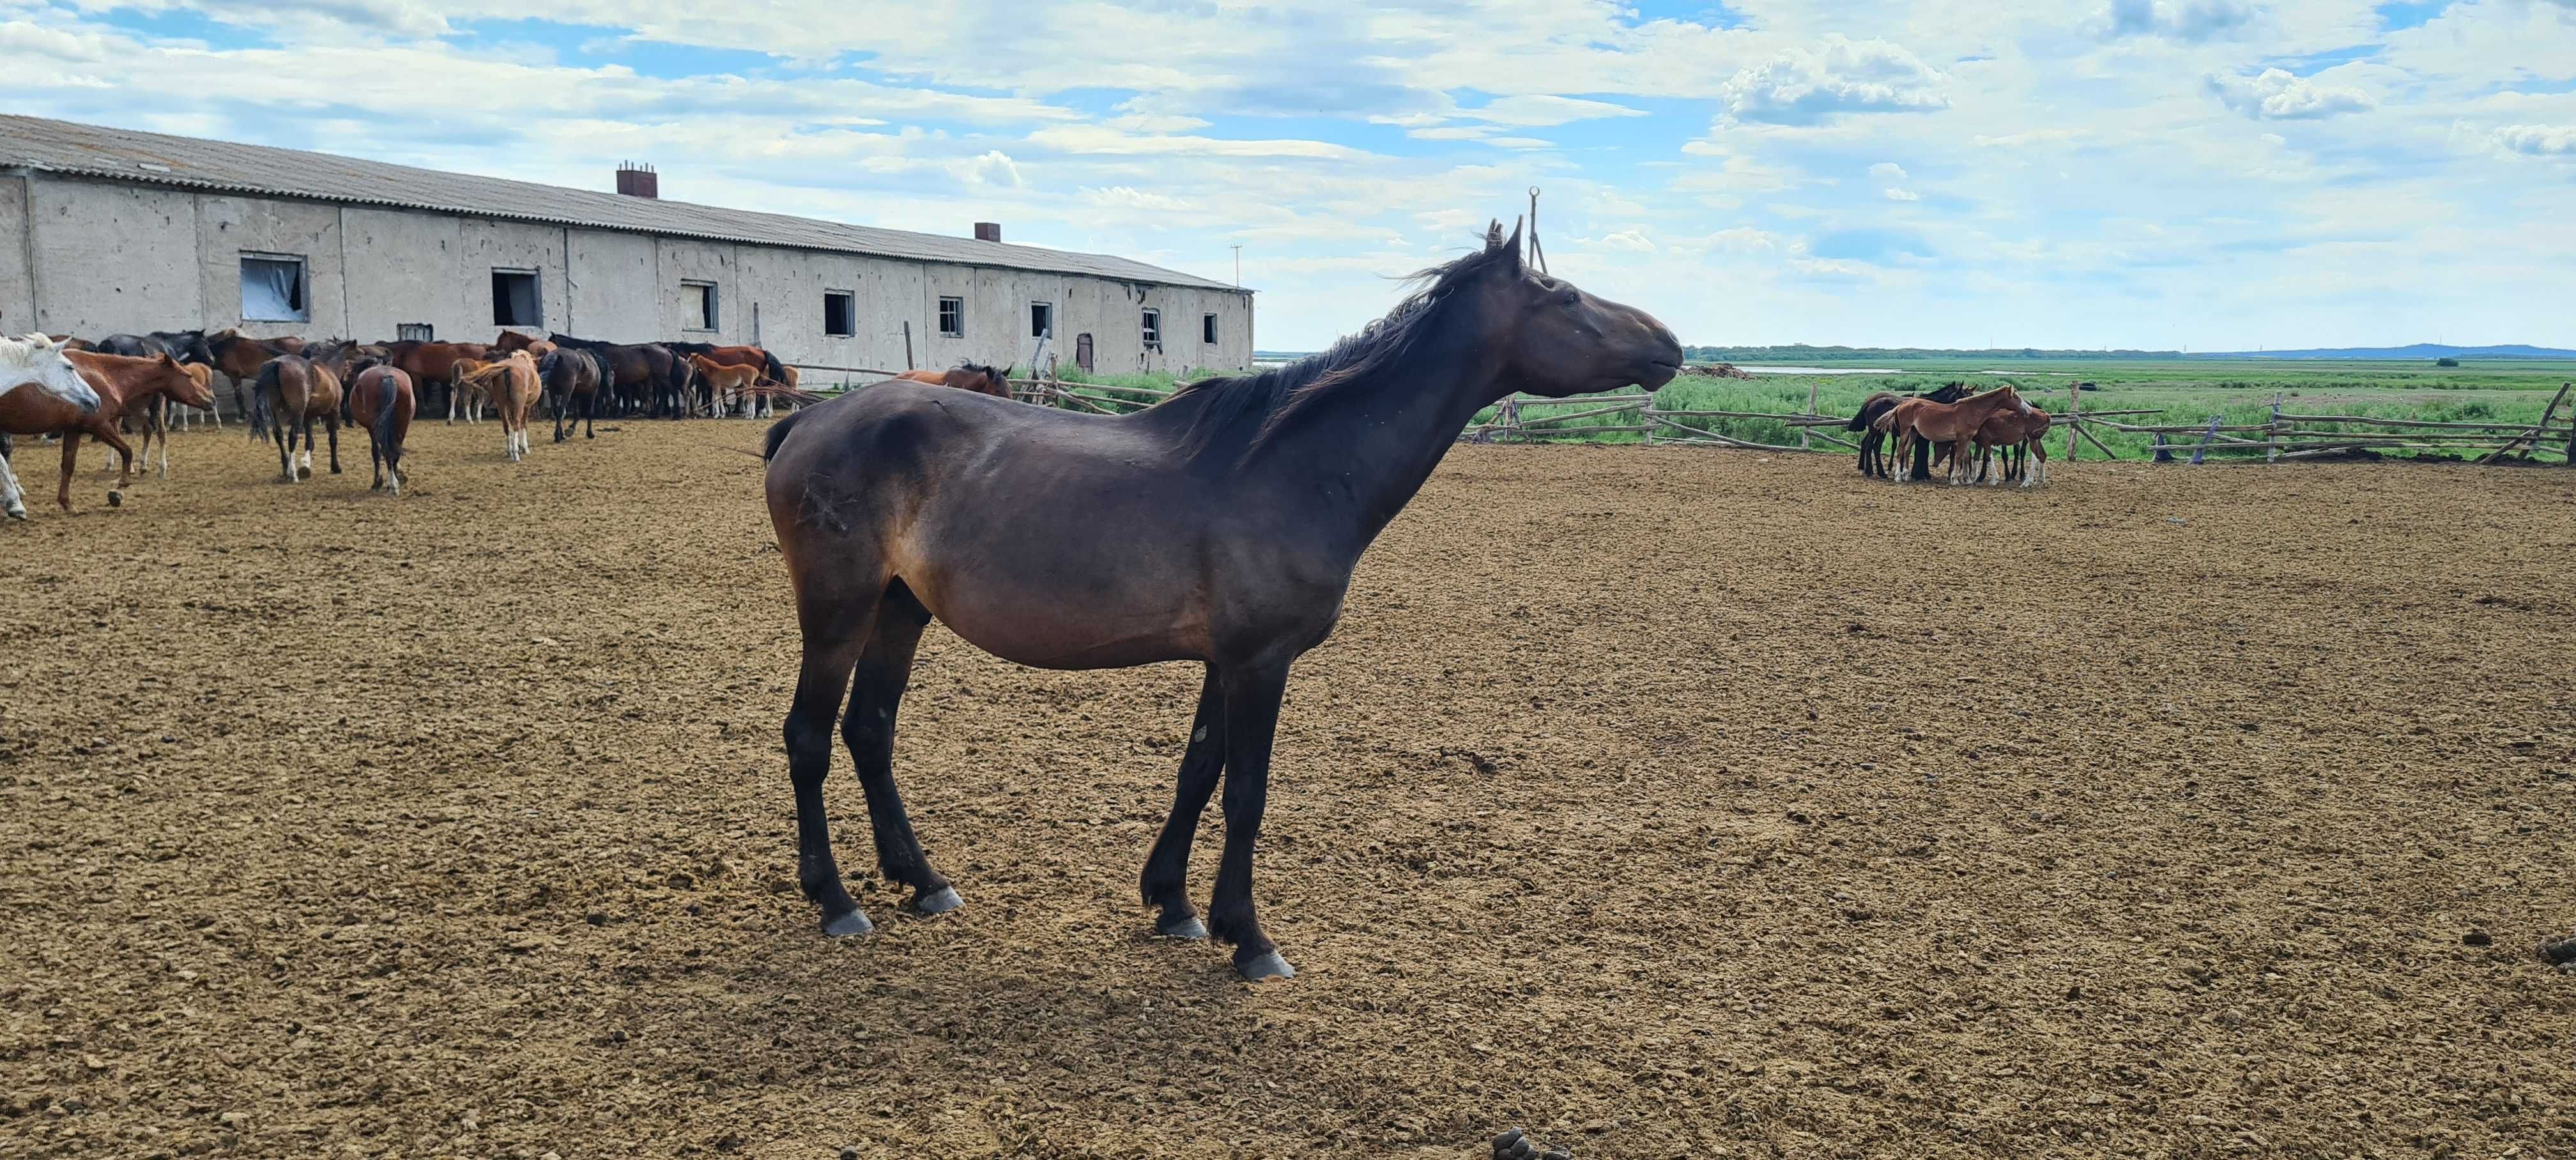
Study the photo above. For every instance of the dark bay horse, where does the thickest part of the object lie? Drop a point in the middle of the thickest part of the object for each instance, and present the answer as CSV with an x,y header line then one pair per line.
x,y
982,380
381,400
641,374
291,392
1873,459
1219,526
573,378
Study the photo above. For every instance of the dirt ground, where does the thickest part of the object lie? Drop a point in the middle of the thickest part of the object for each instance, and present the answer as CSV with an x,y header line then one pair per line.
x,y
1669,803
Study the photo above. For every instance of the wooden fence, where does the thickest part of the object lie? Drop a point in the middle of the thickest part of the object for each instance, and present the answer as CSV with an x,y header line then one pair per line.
x,y
2285,436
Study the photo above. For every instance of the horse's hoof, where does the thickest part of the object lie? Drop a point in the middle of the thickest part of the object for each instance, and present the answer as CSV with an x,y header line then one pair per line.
x,y
939,901
850,925
17,513
1268,966
1185,926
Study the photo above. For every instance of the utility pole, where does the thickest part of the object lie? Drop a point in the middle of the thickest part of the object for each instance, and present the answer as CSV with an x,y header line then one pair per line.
x,y
1238,266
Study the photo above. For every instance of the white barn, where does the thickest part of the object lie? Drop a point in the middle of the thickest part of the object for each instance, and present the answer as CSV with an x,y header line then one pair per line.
x,y
105,231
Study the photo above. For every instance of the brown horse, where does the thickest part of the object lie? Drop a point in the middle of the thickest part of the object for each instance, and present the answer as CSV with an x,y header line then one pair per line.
x,y
239,357
510,383
1220,526
726,383
433,362
291,392
1953,424
2021,433
573,378
151,417
122,384
380,398
982,380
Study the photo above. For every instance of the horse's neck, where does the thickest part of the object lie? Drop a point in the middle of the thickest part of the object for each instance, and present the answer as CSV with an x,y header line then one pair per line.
x,y
1370,450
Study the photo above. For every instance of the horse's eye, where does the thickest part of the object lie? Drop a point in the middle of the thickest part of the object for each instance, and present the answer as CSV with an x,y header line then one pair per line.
x,y
1571,297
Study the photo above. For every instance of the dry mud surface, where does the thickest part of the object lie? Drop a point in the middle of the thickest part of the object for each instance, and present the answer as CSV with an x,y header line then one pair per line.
x,y
1671,803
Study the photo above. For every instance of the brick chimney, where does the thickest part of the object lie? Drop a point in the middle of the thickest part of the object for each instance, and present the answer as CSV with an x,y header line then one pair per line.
x,y
988,231
635,179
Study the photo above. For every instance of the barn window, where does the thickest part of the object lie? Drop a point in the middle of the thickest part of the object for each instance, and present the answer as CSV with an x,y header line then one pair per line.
x,y
514,299
272,288
839,319
1041,319
952,317
1207,329
1153,330
699,299
415,332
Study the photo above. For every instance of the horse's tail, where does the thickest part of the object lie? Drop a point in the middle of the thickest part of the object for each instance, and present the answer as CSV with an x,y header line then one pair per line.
x,y
1869,410
269,380
383,425
778,434
776,370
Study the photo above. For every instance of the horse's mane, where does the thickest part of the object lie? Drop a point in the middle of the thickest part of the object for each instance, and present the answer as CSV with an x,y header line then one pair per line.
x,y
28,354
1261,404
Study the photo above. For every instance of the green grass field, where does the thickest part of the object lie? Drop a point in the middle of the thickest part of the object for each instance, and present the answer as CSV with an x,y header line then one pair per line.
x,y
2179,392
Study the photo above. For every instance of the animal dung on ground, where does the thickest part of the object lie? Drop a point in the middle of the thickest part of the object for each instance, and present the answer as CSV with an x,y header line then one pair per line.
x,y
2561,952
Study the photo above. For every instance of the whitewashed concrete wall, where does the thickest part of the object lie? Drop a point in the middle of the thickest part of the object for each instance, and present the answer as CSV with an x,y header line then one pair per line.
x,y
113,257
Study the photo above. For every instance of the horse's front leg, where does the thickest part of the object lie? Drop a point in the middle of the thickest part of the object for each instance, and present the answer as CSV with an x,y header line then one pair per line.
x,y
71,463
1166,879
12,499
1252,694
332,421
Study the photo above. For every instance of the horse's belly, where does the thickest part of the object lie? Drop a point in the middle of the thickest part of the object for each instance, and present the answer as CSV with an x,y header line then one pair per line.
x,y
1047,631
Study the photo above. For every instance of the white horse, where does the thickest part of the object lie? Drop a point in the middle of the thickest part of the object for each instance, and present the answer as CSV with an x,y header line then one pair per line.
x,y
36,361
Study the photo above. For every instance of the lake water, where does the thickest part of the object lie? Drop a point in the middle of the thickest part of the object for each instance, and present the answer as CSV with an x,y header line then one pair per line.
x,y
1759,370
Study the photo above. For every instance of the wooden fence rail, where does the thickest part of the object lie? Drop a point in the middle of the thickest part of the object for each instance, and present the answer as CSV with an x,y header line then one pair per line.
x,y
2284,436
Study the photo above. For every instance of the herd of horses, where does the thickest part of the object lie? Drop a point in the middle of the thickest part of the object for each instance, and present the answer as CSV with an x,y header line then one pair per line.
x,y
1957,428
144,384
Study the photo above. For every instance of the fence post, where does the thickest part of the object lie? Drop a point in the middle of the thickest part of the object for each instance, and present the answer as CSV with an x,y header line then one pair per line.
x,y
2206,438
2571,432
1803,444
2272,434
2074,391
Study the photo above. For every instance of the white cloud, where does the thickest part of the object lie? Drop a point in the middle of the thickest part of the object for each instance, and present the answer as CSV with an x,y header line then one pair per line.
x,y
1895,194
1102,139
2539,140
1537,111
2276,95
1802,86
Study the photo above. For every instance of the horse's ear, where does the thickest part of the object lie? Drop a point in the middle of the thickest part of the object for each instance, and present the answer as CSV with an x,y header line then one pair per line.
x,y
1494,235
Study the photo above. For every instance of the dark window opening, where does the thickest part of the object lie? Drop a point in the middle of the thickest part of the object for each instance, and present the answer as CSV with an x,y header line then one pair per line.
x,y
514,299
839,319
1207,329
1153,330
699,298
415,332
952,317
1041,319
272,290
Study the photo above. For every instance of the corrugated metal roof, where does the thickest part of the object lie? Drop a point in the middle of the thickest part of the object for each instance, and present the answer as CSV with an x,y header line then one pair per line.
x,y
152,158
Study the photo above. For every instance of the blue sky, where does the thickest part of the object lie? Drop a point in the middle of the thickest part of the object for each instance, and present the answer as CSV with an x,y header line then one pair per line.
x,y
2211,174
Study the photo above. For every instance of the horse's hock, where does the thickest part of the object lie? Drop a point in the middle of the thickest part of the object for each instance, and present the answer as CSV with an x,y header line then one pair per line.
x,y
2081,816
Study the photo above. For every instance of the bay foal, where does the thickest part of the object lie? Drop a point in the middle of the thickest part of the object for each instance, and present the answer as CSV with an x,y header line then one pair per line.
x,y
1219,526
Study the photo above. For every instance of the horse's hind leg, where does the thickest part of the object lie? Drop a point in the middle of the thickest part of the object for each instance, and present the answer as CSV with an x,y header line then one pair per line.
x,y
332,421
1167,870
876,693
833,640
